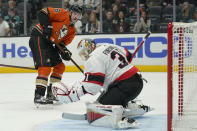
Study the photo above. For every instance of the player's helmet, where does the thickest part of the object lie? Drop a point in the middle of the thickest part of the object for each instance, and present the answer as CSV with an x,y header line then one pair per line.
x,y
76,8
75,13
85,47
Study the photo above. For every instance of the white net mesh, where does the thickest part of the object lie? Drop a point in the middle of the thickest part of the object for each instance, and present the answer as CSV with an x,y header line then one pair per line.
x,y
184,75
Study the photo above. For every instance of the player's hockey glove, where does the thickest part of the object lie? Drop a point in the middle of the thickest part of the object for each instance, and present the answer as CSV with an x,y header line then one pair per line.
x,y
66,55
47,30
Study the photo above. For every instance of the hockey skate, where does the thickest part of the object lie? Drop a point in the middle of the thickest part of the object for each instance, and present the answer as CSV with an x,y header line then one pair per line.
x,y
38,99
39,96
51,97
135,109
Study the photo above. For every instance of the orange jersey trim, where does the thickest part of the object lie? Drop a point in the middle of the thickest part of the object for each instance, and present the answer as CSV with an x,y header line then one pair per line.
x,y
40,50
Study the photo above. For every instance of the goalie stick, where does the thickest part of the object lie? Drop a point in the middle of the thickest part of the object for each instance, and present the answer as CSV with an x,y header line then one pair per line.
x,y
74,116
141,43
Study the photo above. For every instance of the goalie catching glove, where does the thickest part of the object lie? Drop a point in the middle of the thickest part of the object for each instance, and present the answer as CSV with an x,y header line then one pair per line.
x,y
68,93
66,55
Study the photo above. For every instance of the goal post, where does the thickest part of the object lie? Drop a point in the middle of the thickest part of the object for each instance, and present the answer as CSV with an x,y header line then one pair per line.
x,y
182,76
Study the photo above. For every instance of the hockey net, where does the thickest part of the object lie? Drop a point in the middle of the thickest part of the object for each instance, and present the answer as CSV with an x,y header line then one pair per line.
x,y
182,76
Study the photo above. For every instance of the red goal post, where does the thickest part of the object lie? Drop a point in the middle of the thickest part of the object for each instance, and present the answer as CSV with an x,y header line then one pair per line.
x,y
182,76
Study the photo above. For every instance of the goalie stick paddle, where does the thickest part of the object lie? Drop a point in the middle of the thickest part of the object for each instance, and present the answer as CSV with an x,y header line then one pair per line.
x,y
73,116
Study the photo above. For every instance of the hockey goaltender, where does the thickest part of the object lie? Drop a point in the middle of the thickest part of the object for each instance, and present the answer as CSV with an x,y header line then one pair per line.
x,y
108,67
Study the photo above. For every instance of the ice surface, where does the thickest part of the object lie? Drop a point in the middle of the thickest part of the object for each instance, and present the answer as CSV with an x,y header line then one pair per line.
x,y
18,113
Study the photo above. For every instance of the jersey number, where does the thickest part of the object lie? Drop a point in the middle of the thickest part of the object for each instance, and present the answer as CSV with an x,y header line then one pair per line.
x,y
56,10
115,54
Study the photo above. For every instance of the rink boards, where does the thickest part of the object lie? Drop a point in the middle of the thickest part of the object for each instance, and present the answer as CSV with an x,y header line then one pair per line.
x,y
151,57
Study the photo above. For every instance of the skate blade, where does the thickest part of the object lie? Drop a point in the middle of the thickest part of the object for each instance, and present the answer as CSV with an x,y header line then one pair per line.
x,y
135,124
43,106
151,109
57,103
128,126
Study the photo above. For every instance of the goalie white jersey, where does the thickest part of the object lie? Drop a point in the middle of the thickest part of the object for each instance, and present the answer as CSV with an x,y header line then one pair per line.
x,y
107,64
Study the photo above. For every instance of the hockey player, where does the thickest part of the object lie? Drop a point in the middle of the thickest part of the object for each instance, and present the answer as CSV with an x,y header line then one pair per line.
x,y
107,67
56,25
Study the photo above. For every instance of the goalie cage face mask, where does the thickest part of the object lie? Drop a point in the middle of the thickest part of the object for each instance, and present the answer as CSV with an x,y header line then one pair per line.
x,y
85,47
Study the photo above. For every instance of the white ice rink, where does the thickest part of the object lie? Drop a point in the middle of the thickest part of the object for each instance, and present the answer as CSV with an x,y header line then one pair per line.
x,y
18,113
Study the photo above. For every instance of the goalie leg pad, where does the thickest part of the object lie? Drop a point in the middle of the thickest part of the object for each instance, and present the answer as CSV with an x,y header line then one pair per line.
x,y
108,116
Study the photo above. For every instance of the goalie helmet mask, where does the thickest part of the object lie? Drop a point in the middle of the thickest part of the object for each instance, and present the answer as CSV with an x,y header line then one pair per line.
x,y
85,47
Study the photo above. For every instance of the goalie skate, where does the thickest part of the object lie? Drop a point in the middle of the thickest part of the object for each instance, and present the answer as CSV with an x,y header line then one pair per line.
x,y
127,123
134,110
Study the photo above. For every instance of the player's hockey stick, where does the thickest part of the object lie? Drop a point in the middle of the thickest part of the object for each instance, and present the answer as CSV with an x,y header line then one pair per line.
x,y
60,48
21,67
142,42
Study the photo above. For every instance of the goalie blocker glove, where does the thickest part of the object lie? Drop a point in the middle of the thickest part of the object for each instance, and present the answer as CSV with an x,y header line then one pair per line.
x,y
66,55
